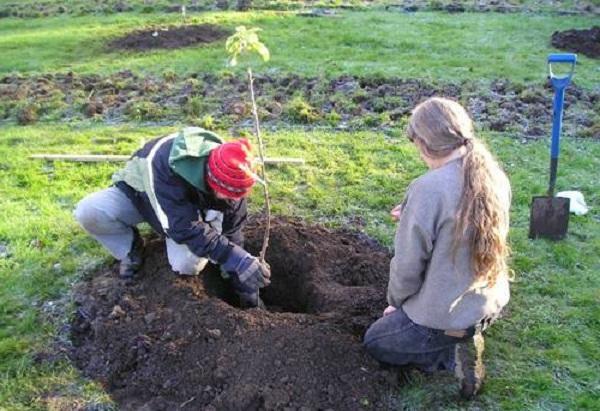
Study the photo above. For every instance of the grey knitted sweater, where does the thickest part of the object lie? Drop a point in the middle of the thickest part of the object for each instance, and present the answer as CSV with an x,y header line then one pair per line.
x,y
435,287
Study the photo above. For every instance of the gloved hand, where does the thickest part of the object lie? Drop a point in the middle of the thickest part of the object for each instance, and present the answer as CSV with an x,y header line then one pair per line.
x,y
247,269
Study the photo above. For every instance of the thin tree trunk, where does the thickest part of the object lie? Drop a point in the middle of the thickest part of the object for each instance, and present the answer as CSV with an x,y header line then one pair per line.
x,y
263,175
243,5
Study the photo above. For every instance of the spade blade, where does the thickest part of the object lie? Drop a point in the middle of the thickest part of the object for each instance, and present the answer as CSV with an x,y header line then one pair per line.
x,y
549,217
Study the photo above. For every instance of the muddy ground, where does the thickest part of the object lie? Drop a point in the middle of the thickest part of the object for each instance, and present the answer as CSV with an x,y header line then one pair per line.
x,y
82,7
344,103
585,41
166,343
169,37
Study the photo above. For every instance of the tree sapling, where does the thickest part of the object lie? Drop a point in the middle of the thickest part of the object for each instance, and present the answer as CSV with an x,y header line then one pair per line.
x,y
242,43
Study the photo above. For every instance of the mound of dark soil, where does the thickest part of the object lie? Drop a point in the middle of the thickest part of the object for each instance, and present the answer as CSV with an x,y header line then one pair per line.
x,y
170,38
166,343
579,41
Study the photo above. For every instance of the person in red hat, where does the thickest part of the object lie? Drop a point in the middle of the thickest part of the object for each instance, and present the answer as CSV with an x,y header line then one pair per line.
x,y
190,186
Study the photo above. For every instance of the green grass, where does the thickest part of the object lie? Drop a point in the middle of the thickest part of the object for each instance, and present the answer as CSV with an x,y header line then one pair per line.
x,y
544,355
433,46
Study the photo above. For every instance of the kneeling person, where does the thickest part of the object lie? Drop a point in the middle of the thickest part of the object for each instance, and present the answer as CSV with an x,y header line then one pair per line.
x,y
449,277
192,187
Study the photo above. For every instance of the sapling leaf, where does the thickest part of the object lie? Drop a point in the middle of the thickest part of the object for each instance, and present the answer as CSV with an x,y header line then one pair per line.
x,y
262,50
243,42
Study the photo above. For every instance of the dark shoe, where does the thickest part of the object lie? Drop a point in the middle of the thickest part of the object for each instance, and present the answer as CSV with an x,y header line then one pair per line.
x,y
469,368
131,264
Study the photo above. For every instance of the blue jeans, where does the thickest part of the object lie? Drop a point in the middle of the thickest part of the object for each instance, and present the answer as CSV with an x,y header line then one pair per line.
x,y
395,339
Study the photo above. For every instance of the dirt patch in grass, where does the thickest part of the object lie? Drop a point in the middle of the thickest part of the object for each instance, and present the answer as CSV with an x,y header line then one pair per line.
x,y
495,6
585,41
165,342
170,37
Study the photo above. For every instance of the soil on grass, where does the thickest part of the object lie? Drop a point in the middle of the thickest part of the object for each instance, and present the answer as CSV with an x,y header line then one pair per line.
x,y
164,342
586,41
170,37
345,102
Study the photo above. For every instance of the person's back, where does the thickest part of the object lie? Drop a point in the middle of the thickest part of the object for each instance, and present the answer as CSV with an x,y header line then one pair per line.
x,y
448,277
449,297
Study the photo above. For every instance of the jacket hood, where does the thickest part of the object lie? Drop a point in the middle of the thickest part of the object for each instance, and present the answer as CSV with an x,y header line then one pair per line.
x,y
189,154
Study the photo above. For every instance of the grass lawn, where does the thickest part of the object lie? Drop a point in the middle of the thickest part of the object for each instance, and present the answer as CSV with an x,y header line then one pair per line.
x,y
544,355
432,46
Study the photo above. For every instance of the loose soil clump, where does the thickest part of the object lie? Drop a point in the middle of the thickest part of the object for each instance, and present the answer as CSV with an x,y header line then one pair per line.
x,y
167,342
170,38
586,41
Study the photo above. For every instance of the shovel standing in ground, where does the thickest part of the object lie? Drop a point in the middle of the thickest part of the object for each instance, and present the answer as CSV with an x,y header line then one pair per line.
x,y
549,214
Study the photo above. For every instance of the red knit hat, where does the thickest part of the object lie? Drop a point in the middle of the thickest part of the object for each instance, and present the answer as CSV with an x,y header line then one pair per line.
x,y
228,171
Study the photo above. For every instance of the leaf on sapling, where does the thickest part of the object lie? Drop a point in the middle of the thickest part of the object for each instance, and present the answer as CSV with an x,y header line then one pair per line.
x,y
245,41
262,50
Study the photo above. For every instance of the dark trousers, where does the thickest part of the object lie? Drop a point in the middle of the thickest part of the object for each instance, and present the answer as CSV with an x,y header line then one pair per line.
x,y
395,339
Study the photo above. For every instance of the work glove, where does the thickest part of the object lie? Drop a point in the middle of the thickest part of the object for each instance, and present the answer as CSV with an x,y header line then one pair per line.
x,y
246,269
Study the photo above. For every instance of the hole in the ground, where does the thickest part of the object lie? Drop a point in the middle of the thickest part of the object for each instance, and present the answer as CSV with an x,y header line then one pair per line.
x,y
314,270
288,292
317,270
216,286
290,289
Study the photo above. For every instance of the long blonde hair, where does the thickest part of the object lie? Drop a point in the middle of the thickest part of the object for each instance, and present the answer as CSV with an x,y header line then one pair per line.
x,y
439,126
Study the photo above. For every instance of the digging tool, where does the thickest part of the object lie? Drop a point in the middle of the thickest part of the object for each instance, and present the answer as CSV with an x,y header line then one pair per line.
x,y
550,214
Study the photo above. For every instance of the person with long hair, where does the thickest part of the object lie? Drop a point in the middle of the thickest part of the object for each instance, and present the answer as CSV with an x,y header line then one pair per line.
x,y
449,277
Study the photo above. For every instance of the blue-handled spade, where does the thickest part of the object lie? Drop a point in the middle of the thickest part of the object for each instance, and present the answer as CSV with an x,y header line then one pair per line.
x,y
549,214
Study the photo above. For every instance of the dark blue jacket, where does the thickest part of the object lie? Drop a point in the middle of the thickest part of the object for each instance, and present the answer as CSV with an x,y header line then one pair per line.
x,y
175,204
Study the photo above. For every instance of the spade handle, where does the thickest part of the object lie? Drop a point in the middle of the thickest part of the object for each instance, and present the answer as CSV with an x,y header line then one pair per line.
x,y
559,83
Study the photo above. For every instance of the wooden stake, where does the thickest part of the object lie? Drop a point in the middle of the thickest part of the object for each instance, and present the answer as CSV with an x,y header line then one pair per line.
x,y
98,158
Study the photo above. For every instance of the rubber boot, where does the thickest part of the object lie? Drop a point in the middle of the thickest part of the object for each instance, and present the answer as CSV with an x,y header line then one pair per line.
x,y
131,264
